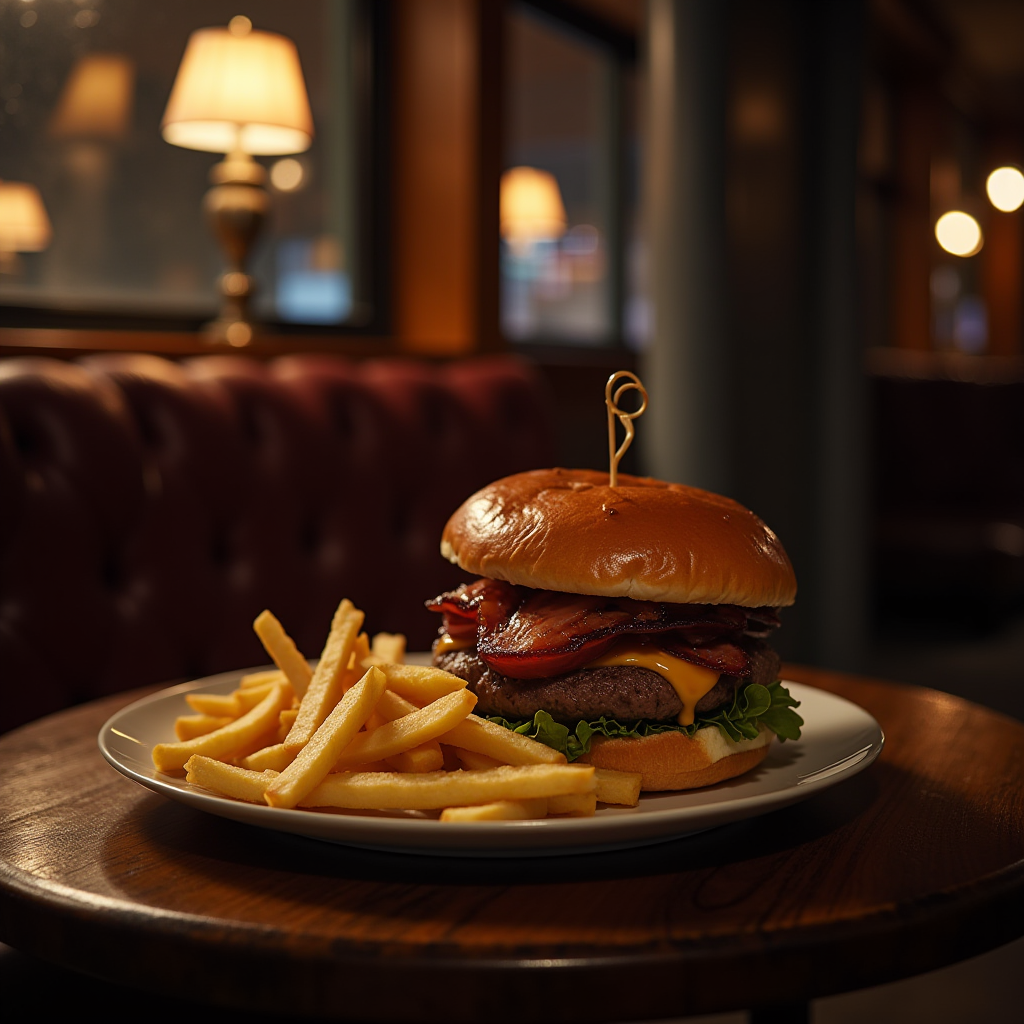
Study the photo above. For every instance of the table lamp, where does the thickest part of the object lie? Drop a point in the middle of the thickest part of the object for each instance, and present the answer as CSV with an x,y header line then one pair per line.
x,y
24,225
239,92
531,208
96,101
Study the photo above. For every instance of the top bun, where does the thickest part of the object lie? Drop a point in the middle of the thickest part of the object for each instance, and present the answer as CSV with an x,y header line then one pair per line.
x,y
566,529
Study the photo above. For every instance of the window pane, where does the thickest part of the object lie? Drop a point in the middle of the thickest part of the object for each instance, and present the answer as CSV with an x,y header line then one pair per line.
x,y
128,233
562,114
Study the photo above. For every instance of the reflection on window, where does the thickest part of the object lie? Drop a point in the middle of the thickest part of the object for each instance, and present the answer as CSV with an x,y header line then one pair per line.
x,y
312,287
562,258
83,87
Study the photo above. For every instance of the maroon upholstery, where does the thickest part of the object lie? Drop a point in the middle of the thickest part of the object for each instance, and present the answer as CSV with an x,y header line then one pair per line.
x,y
149,510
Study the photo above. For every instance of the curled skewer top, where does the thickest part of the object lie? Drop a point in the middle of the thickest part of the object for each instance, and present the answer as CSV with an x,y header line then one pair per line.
x,y
612,395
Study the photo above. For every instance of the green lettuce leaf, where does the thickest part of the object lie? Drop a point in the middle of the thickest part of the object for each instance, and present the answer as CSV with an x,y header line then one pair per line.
x,y
752,705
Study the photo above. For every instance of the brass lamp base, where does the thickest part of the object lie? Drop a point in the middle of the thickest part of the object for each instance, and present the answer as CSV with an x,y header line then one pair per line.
x,y
236,208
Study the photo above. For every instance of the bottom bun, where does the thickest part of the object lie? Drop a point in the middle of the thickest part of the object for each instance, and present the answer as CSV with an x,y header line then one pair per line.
x,y
673,760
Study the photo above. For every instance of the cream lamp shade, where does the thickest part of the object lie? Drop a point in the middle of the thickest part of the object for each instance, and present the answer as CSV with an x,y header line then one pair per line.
x,y
24,226
531,207
239,90
96,102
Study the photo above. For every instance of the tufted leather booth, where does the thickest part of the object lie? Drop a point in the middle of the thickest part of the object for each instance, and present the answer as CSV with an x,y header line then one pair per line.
x,y
149,510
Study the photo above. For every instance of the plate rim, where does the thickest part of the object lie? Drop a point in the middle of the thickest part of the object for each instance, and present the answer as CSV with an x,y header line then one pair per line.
x,y
612,828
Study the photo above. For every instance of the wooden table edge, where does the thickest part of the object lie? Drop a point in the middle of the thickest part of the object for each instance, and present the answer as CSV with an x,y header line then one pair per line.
x,y
943,933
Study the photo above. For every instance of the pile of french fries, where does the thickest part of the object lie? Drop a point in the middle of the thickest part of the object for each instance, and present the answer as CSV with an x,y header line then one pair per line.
x,y
366,731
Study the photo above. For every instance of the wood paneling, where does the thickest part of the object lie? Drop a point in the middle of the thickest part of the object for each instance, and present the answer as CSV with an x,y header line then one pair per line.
x,y
446,209
917,131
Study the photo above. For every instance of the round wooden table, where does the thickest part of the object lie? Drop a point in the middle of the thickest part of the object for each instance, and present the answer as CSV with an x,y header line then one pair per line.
x,y
914,864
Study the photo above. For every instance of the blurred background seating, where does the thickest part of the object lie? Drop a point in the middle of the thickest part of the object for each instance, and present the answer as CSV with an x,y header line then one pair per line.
x,y
150,510
949,493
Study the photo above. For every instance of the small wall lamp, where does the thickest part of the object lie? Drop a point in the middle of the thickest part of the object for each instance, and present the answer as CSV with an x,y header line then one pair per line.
x,y
24,225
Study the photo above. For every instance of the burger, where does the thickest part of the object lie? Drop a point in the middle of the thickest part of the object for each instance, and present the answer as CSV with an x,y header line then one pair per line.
x,y
626,626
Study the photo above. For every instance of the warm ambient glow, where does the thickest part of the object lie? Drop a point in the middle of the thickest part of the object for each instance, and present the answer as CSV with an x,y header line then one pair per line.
x,y
531,207
96,101
1005,187
239,90
287,175
958,233
24,226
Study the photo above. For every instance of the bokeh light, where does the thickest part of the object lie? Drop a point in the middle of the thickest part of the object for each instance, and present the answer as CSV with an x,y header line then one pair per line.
x,y
287,175
1005,188
958,233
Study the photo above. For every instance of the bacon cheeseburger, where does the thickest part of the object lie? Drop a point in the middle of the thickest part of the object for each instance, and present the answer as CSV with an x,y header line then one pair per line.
x,y
623,626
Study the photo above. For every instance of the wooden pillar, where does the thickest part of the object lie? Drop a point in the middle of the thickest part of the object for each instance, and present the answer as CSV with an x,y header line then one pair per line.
x,y
447,94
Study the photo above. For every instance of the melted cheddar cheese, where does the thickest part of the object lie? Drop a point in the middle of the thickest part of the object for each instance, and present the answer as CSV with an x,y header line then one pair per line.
x,y
690,681
446,644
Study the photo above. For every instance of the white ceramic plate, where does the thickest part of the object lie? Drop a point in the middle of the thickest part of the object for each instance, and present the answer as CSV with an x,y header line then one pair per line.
x,y
839,739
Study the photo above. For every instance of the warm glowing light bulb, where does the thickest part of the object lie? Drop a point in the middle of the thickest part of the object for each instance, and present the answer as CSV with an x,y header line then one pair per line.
x,y
958,233
1005,187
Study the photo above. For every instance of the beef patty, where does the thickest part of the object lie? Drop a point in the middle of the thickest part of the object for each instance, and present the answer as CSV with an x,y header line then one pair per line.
x,y
624,692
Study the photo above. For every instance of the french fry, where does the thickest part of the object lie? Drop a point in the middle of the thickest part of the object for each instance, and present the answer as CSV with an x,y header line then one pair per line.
x,y
388,648
276,757
421,684
227,779
325,687
392,706
319,755
573,805
425,758
270,675
188,727
437,790
249,696
285,721
500,810
410,730
473,761
282,650
374,721
228,741
483,737
364,731
356,668
371,766
223,705
618,787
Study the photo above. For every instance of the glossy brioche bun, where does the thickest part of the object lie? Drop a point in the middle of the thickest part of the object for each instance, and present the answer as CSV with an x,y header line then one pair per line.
x,y
672,760
567,530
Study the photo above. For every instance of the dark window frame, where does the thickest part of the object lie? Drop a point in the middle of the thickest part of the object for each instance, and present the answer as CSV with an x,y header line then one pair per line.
x,y
624,50
372,63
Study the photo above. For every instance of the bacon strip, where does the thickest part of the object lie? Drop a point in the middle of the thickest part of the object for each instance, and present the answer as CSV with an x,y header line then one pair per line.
x,y
533,634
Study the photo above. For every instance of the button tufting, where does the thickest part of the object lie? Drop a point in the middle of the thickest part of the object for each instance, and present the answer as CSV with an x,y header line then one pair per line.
x,y
152,509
